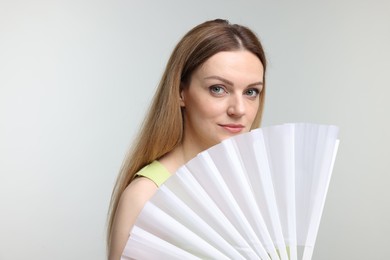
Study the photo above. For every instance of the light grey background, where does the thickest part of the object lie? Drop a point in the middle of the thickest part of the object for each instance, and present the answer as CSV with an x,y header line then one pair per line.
x,y
76,78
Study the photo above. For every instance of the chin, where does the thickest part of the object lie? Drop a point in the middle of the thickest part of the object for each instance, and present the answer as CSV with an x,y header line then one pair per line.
x,y
226,137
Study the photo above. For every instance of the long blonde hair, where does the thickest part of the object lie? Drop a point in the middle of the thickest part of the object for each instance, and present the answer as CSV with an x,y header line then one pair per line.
x,y
162,129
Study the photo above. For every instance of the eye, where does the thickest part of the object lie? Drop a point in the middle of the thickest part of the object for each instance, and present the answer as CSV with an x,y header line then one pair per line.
x,y
252,92
217,90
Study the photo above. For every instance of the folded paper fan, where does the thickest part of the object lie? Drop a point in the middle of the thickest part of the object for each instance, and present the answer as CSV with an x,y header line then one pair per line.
x,y
258,195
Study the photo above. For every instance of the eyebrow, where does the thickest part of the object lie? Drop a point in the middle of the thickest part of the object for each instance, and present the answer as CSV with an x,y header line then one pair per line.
x,y
228,82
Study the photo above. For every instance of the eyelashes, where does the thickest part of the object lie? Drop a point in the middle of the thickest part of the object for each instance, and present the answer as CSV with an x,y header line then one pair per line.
x,y
217,90
220,91
252,92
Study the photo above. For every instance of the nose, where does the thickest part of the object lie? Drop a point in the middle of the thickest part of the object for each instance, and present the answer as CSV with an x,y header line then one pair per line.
x,y
236,106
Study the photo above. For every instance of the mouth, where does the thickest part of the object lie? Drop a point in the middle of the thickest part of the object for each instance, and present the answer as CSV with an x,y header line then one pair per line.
x,y
232,128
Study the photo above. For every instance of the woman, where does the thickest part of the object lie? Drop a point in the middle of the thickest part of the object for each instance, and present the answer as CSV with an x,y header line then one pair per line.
x,y
213,88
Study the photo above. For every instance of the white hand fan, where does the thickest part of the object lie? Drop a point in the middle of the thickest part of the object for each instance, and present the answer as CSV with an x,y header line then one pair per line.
x,y
258,195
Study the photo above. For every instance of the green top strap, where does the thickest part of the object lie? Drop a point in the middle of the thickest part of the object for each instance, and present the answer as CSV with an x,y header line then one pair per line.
x,y
156,172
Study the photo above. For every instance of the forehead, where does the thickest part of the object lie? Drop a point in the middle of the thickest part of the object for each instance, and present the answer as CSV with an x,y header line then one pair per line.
x,y
241,63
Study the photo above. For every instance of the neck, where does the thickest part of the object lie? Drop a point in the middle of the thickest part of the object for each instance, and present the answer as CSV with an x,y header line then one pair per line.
x,y
180,155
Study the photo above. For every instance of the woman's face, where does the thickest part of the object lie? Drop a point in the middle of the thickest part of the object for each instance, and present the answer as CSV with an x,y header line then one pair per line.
x,y
222,98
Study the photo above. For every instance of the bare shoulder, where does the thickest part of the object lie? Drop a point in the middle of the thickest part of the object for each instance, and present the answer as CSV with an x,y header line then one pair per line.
x,y
138,192
133,200
130,205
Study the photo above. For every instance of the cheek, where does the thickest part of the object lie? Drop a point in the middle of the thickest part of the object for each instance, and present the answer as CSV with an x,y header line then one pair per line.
x,y
205,109
253,109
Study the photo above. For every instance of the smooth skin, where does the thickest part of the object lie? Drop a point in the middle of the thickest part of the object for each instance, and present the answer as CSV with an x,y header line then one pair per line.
x,y
221,101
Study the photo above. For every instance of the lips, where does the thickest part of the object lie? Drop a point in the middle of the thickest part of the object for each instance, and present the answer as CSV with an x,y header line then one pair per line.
x,y
233,128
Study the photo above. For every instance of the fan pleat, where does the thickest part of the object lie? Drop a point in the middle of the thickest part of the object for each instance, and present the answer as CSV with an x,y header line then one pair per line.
x,y
209,177
258,195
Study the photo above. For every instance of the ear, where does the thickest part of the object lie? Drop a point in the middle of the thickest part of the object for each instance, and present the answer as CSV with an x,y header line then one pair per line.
x,y
182,103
